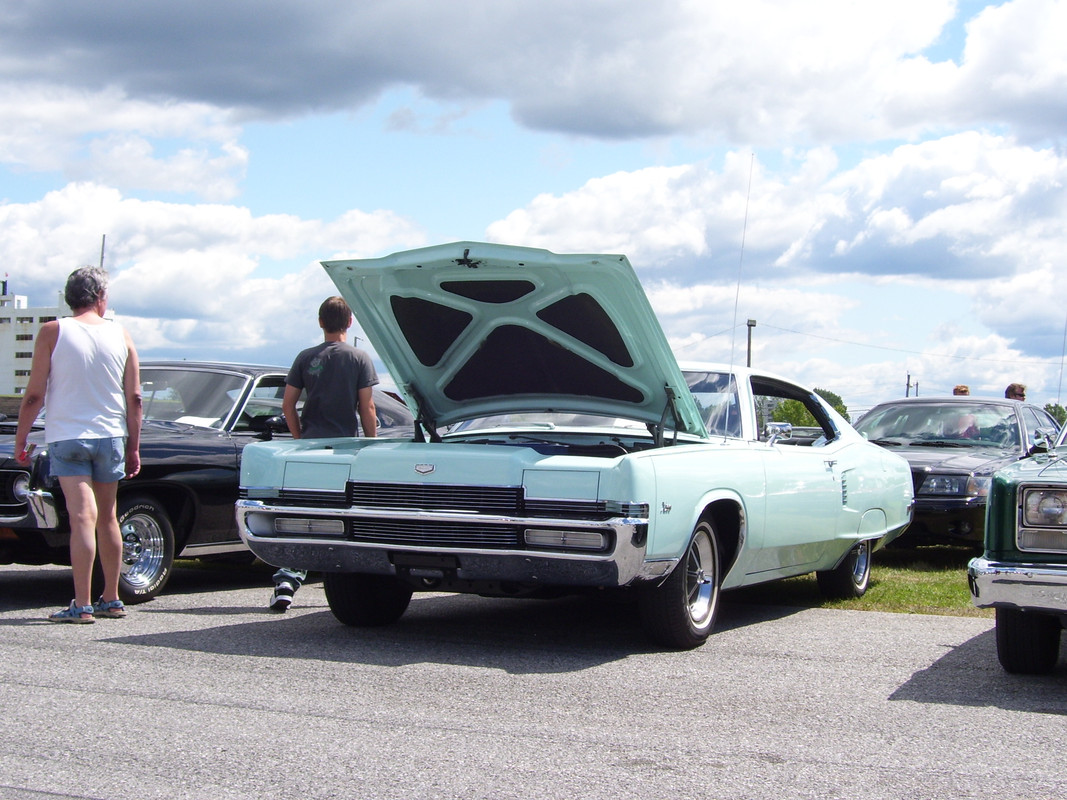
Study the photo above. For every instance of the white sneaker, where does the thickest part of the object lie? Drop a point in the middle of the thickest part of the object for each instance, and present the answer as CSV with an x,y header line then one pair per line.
x,y
282,597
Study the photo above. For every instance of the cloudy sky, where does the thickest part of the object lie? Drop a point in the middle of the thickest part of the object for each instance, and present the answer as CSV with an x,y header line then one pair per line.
x,y
880,186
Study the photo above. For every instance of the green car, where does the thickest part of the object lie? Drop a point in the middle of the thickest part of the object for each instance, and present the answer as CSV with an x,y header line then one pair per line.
x,y
1023,572
560,447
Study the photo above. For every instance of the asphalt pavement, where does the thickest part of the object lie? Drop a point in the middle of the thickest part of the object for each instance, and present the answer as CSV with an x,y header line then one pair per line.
x,y
204,693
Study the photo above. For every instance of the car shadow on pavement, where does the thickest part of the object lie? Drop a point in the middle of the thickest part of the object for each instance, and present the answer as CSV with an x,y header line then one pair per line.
x,y
520,636
970,675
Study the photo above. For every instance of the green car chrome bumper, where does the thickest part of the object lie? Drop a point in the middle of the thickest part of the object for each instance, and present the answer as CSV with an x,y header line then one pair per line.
x,y
1035,587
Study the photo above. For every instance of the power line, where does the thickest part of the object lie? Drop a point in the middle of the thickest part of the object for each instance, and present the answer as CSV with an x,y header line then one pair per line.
x,y
904,350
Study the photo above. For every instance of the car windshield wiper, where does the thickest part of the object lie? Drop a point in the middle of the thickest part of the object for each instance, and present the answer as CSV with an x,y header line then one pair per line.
x,y
888,442
938,443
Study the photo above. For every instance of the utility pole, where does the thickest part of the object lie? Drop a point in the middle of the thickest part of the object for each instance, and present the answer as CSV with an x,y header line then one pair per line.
x,y
751,325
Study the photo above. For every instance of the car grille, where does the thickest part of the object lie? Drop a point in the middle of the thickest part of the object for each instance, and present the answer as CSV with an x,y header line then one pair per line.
x,y
494,500
8,502
298,498
430,533
481,499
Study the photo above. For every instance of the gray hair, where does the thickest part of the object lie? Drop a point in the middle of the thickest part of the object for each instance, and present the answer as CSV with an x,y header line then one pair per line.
x,y
85,287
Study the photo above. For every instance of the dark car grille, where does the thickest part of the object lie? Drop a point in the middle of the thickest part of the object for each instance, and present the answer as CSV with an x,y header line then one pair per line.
x,y
494,500
482,499
430,533
298,498
8,501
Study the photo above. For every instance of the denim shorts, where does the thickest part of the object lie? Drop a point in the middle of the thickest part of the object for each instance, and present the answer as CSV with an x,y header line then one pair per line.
x,y
103,459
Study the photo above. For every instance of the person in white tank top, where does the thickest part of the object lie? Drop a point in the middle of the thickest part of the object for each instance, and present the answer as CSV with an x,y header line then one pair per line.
x,y
86,373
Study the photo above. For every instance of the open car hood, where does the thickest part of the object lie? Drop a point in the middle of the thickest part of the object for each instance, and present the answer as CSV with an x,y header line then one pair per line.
x,y
472,329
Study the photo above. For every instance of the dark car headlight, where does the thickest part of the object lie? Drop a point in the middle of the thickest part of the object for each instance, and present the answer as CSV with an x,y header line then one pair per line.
x,y
956,485
20,487
1043,508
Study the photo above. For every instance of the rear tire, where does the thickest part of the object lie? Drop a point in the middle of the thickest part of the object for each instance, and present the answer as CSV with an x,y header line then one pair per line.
x,y
849,579
147,550
1028,643
365,601
680,613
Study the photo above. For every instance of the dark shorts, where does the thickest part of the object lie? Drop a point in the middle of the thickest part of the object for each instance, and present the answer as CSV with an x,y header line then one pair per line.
x,y
103,459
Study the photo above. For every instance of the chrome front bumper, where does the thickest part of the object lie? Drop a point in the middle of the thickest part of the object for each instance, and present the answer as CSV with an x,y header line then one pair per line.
x,y
623,565
40,513
1033,587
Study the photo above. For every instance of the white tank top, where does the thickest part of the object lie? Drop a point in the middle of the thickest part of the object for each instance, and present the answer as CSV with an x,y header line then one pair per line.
x,y
85,397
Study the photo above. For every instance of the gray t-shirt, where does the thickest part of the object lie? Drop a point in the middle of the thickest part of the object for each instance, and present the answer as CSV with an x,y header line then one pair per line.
x,y
332,373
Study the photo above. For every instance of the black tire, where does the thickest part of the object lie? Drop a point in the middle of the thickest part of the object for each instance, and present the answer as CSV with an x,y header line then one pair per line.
x,y
849,579
365,601
1028,643
147,549
680,612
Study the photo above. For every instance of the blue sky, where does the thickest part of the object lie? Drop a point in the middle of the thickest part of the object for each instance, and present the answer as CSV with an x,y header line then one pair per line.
x,y
896,173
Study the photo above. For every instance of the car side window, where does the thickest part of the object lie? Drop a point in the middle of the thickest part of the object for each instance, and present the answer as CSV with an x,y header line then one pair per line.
x,y
1038,419
264,402
779,402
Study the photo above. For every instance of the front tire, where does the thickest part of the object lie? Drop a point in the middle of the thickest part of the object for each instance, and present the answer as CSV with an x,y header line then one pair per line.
x,y
680,613
1027,643
365,601
147,549
849,579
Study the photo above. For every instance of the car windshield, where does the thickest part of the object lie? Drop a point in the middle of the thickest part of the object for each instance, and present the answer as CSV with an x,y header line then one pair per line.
x,y
716,397
193,397
715,394
942,424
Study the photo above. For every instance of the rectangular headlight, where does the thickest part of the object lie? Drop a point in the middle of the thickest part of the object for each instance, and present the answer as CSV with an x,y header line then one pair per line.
x,y
957,485
1044,508
565,540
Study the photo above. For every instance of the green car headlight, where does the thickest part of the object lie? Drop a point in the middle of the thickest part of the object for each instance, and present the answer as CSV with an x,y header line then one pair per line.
x,y
957,485
1043,508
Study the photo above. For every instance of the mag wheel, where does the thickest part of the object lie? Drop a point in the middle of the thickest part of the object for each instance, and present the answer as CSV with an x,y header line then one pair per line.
x,y
365,600
849,579
680,612
147,549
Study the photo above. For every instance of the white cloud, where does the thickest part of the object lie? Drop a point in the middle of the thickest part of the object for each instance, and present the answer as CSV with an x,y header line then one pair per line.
x,y
192,276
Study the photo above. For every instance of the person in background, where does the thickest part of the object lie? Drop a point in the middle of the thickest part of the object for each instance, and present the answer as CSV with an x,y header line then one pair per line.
x,y
339,381
86,373
1015,391
961,389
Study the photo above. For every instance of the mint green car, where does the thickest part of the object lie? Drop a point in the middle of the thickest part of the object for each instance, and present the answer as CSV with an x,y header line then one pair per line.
x,y
560,447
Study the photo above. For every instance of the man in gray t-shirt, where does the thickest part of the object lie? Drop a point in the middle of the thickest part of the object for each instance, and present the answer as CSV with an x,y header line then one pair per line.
x,y
339,381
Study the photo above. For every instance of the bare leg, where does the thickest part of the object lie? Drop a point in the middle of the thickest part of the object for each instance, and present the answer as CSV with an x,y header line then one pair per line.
x,y
108,538
81,506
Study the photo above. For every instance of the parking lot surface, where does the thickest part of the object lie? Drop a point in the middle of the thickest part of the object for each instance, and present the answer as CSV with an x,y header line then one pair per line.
x,y
204,693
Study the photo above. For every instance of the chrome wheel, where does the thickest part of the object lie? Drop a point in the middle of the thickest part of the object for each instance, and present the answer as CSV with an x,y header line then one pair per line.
x,y
850,578
143,549
680,612
147,548
700,584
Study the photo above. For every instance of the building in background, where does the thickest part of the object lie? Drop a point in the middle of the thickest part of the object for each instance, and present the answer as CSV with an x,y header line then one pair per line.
x,y
19,325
